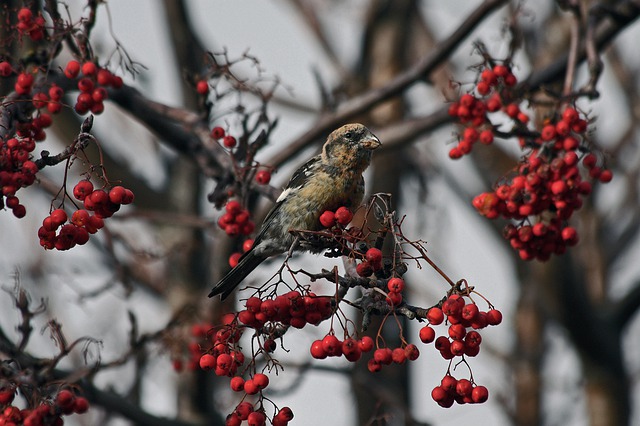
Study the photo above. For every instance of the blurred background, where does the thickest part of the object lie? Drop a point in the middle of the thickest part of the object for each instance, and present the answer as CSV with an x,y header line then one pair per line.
x,y
568,350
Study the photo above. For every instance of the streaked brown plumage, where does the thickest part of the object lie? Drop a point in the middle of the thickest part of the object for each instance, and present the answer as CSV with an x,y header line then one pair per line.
x,y
327,181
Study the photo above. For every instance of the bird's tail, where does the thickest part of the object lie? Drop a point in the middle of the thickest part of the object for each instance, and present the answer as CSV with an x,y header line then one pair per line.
x,y
226,285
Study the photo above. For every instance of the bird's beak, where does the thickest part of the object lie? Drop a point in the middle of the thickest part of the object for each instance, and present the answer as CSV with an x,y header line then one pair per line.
x,y
371,142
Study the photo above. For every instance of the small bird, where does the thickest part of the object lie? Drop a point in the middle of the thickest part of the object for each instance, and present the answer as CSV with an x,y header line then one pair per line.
x,y
327,181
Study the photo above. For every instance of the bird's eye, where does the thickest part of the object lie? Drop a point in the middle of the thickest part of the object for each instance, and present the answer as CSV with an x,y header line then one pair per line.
x,y
348,135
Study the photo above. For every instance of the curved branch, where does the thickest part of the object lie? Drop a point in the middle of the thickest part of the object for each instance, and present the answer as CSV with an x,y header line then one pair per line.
x,y
419,72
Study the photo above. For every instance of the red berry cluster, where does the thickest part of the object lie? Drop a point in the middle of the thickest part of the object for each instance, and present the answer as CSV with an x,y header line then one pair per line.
x,y
342,216
93,85
47,413
372,262
27,24
462,391
494,95
225,357
246,411
24,83
546,189
103,204
263,177
387,356
547,186
395,286
291,308
330,346
236,220
16,171
234,258
228,141
461,340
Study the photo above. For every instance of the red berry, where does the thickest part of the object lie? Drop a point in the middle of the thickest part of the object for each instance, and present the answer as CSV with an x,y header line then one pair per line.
x,y
237,384
570,115
233,420
366,344
207,362
257,418
457,331
464,387
383,356
6,396
500,70
412,352
65,398
217,132
332,345
488,76
394,298
470,311
25,15
510,80
86,85
473,339
494,316
234,258
104,78
202,87
317,350
449,383
569,235
486,137
483,88
233,207
455,153
351,350
328,219
427,334
548,132
244,409
253,304
467,100
58,217
247,245
263,177
606,176
364,269
398,356
261,380
395,285
435,316
374,257
479,394
25,80
589,161
229,141
470,134
5,69
441,395
494,103
117,194
89,69
99,94
285,413
343,216
81,405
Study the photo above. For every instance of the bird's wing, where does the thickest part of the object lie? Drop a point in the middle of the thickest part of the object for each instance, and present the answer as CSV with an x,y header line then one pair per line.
x,y
298,180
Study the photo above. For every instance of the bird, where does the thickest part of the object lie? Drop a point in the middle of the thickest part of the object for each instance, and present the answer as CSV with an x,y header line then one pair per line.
x,y
327,181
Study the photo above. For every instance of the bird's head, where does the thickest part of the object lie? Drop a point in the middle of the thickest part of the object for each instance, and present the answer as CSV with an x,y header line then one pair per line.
x,y
351,146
